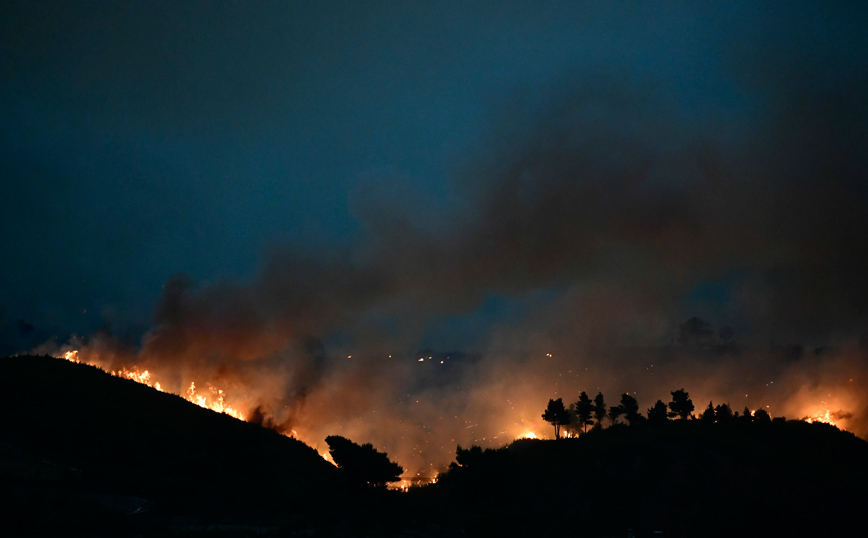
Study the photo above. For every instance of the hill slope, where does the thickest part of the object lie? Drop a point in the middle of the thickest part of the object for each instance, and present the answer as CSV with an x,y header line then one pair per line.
x,y
684,478
82,451
76,440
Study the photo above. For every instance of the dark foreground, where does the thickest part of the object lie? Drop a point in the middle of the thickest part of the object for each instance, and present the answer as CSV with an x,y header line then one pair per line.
x,y
86,454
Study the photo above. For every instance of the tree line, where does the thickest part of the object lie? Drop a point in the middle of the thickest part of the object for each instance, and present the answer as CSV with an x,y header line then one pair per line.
x,y
592,413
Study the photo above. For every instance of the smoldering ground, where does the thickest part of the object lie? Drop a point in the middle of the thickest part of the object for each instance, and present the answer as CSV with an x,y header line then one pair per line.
x,y
603,203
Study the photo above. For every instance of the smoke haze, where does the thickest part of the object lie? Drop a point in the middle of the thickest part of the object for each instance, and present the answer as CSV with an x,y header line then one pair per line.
x,y
600,210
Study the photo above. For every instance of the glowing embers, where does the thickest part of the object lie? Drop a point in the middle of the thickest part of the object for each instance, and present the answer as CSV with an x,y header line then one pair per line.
x,y
412,482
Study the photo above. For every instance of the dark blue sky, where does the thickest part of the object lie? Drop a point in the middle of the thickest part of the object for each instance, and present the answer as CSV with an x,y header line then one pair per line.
x,y
512,161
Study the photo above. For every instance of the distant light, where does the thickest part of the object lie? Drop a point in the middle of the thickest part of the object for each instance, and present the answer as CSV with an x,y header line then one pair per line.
x,y
421,359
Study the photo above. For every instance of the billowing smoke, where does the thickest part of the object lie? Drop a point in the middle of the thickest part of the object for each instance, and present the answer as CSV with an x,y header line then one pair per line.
x,y
601,211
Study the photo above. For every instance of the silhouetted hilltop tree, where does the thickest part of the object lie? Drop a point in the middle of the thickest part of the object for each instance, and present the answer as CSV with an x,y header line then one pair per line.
x,y
475,459
722,414
708,414
695,332
557,415
599,410
584,411
631,409
574,428
658,413
363,463
746,415
681,406
614,412
468,457
761,416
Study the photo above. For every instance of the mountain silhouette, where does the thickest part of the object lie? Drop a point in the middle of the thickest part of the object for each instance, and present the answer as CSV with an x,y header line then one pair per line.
x,y
678,478
87,454
80,446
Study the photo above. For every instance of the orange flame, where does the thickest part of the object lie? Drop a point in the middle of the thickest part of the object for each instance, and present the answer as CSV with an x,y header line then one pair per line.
x,y
216,403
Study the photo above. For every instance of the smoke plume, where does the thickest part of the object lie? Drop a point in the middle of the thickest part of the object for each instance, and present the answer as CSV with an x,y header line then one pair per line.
x,y
603,209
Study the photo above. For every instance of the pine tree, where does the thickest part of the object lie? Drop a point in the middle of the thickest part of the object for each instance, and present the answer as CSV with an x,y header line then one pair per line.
x,y
658,414
631,409
708,414
614,412
557,415
585,411
599,410
681,406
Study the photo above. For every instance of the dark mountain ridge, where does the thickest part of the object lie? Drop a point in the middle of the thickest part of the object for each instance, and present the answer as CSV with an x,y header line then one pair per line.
x,y
72,432
680,477
87,454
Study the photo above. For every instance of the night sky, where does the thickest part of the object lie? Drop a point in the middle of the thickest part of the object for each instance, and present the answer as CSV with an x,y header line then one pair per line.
x,y
244,180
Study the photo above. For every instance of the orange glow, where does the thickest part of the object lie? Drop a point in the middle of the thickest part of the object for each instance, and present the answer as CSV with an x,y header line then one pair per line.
x,y
215,402
406,483
822,415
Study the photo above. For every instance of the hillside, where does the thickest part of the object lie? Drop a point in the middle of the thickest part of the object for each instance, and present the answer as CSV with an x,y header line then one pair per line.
x,y
84,453
78,445
684,478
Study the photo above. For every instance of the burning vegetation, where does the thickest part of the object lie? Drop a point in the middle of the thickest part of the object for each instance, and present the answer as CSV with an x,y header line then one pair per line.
x,y
215,402
429,423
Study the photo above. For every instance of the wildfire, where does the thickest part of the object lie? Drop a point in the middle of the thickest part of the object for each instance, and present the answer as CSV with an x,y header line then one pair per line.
x,y
144,377
216,401
416,481
823,415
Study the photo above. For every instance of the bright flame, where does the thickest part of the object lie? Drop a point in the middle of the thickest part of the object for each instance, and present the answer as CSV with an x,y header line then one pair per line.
x,y
822,415
406,483
529,435
217,401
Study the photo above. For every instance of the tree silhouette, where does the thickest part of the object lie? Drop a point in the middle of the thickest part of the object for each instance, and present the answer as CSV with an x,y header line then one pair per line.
x,y
761,416
722,414
614,412
658,414
631,409
746,415
362,463
599,410
708,414
468,457
557,415
574,428
681,406
585,411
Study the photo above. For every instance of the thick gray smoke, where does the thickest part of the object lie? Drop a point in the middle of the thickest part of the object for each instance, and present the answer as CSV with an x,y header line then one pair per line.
x,y
604,203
